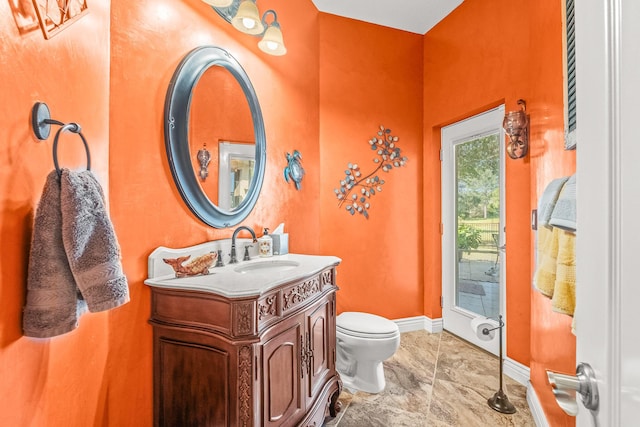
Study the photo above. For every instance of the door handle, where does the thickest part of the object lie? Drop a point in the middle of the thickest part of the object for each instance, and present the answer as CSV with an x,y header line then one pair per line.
x,y
303,357
502,248
584,383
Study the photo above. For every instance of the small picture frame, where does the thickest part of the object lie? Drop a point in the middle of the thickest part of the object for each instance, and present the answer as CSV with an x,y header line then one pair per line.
x,y
24,15
56,15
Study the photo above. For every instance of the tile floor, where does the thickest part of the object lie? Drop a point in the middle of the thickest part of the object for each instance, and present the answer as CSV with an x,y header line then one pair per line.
x,y
435,380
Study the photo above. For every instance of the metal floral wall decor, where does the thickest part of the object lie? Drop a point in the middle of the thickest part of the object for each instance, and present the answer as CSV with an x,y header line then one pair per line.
x,y
356,189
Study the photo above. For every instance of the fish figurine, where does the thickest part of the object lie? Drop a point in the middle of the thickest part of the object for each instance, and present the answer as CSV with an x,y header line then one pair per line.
x,y
198,265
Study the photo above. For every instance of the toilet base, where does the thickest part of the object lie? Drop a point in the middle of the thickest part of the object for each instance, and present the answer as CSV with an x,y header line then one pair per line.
x,y
369,377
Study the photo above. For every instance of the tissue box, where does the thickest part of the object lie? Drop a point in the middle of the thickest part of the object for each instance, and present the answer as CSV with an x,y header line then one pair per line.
x,y
280,243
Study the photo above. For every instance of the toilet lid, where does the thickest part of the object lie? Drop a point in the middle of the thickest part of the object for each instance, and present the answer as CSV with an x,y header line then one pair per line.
x,y
366,325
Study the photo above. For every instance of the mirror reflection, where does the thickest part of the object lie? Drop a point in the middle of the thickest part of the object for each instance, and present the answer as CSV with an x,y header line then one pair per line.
x,y
236,166
221,138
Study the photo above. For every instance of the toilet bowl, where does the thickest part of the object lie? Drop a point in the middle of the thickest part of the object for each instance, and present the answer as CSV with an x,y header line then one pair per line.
x,y
364,341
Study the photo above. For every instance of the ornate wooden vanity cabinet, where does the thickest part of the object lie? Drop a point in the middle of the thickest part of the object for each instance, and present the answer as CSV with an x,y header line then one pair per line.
x,y
264,360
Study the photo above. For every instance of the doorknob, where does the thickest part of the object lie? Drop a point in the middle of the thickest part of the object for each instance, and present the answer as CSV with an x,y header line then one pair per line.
x,y
584,383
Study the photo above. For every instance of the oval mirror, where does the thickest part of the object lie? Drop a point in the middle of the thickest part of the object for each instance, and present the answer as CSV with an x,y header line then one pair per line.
x,y
214,136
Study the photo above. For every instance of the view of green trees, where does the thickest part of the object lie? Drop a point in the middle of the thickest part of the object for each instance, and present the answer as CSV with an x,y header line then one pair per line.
x,y
478,170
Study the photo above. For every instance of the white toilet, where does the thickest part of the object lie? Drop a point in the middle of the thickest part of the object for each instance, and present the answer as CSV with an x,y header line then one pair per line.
x,y
364,341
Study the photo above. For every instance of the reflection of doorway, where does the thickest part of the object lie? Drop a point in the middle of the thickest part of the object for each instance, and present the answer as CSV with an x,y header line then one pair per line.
x,y
236,169
472,218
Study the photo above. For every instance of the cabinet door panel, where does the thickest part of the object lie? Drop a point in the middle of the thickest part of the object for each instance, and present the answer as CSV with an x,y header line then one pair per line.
x,y
318,322
281,369
191,374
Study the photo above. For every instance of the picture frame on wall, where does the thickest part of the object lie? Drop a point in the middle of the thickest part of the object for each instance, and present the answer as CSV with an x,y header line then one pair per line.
x,y
24,15
56,15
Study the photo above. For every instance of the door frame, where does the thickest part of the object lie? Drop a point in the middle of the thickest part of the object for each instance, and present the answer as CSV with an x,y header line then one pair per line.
x,y
608,88
484,123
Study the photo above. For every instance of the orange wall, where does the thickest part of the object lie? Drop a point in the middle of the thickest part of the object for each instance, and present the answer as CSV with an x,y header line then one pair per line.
x,y
59,381
553,346
466,72
217,96
372,76
480,57
149,38
339,81
100,374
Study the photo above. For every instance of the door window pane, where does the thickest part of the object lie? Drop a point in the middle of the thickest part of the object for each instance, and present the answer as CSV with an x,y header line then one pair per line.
x,y
477,201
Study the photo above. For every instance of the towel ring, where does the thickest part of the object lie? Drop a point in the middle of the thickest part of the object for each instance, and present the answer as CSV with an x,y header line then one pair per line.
x,y
74,128
41,122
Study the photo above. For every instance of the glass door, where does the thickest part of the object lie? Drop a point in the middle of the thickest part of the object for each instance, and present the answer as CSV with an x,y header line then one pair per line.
x,y
472,218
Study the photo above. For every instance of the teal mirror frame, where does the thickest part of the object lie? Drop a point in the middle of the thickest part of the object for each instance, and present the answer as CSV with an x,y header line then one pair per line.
x,y
176,134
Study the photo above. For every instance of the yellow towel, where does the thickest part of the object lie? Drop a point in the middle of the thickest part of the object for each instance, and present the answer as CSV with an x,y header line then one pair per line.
x,y
544,278
564,295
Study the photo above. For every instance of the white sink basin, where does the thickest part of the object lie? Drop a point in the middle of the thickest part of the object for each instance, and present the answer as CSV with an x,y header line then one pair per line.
x,y
247,278
271,266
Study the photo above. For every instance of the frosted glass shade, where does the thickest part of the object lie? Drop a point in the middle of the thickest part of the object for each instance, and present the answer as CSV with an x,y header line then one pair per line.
x,y
272,41
219,3
247,18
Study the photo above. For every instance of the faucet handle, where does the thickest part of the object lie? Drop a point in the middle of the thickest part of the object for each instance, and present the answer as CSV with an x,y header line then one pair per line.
x,y
219,261
246,252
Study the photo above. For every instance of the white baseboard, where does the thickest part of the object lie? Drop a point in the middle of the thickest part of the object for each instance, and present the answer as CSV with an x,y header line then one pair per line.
x,y
516,371
419,323
536,408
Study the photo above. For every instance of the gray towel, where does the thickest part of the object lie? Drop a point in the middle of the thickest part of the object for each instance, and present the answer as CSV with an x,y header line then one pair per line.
x,y
549,198
90,242
564,213
53,303
74,260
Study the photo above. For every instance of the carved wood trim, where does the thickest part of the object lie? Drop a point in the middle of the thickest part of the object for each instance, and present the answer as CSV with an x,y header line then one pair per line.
x,y
268,307
304,357
327,277
243,318
301,292
244,385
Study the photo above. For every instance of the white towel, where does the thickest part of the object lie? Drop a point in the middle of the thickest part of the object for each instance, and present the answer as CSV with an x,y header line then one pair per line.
x,y
547,202
564,212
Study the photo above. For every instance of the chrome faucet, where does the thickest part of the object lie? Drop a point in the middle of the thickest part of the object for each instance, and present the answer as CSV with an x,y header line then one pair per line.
x,y
234,259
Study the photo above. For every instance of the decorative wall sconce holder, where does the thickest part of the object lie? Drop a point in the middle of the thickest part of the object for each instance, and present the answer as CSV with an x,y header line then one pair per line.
x,y
244,16
516,125
204,158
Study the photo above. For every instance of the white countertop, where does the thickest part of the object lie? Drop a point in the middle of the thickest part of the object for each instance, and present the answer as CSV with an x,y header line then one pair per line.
x,y
228,282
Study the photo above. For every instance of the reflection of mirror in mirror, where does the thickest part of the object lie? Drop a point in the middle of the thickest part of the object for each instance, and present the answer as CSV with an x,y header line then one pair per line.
x,y
219,112
236,167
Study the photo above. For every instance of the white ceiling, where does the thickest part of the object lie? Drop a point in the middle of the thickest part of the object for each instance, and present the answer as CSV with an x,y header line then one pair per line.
x,y
416,16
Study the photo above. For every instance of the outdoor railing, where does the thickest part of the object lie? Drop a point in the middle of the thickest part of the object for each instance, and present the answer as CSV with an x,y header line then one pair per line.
x,y
487,231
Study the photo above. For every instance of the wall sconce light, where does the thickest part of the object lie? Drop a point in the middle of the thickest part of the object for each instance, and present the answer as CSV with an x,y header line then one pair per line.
x,y
245,17
516,124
